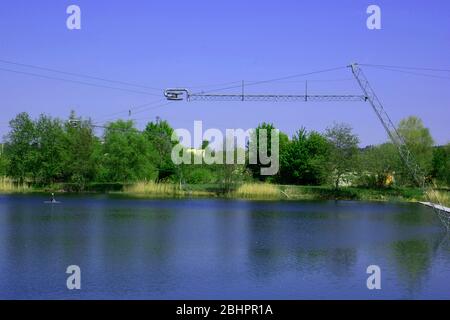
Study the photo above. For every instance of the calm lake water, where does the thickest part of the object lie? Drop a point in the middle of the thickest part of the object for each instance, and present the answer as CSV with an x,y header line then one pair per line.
x,y
219,249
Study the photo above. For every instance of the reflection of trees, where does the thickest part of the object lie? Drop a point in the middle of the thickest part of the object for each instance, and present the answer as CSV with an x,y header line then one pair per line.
x,y
289,243
444,245
144,233
338,261
265,242
413,216
265,262
229,229
413,258
341,261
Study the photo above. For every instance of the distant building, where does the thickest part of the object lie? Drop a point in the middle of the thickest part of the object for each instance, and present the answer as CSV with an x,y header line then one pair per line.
x,y
196,152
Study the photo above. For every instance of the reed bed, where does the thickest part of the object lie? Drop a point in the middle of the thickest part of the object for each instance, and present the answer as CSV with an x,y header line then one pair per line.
x,y
7,185
162,190
443,197
156,189
257,191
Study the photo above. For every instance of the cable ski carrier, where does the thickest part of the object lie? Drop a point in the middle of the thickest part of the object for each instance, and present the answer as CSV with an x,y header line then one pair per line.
x,y
369,95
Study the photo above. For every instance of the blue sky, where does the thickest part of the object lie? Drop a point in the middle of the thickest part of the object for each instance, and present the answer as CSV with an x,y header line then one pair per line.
x,y
200,43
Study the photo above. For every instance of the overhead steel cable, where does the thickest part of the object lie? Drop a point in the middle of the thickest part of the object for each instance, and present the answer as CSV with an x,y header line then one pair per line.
x,y
312,80
413,73
129,110
77,82
144,110
154,107
215,85
80,75
404,67
276,79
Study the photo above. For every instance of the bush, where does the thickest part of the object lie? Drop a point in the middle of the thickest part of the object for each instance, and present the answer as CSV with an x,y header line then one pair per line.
x,y
199,175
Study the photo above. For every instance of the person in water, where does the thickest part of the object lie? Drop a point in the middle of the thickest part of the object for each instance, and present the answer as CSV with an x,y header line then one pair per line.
x,y
52,199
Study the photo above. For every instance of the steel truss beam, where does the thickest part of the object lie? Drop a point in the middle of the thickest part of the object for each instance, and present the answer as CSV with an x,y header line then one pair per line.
x,y
184,94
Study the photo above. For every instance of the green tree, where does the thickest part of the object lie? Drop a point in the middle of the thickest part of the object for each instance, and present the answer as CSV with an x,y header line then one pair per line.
x,y
49,150
127,154
304,160
159,133
284,158
205,144
419,142
4,162
20,147
378,163
230,175
344,151
201,173
81,148
441,165
255,169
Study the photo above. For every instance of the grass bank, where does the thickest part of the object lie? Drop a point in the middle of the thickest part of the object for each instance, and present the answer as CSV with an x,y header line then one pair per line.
x,y
290,192
265,191
250,191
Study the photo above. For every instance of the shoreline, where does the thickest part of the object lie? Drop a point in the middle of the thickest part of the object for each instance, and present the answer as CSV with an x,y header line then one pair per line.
x,y
261,192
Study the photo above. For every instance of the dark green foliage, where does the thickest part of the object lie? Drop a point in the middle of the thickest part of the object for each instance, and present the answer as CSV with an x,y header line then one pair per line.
x,y
48,150
159,134
4,161
21,147
304,160
199,175
127,155
255,169
82,150
441,165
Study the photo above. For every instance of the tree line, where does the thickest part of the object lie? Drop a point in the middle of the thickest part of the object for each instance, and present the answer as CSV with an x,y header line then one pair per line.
x,y
47,150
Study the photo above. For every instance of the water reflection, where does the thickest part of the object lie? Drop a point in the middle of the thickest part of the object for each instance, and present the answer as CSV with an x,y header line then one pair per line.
x,y
414,260
189,249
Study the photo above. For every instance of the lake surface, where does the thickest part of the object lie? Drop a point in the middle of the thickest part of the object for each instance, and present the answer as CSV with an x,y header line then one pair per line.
x,y
219,249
